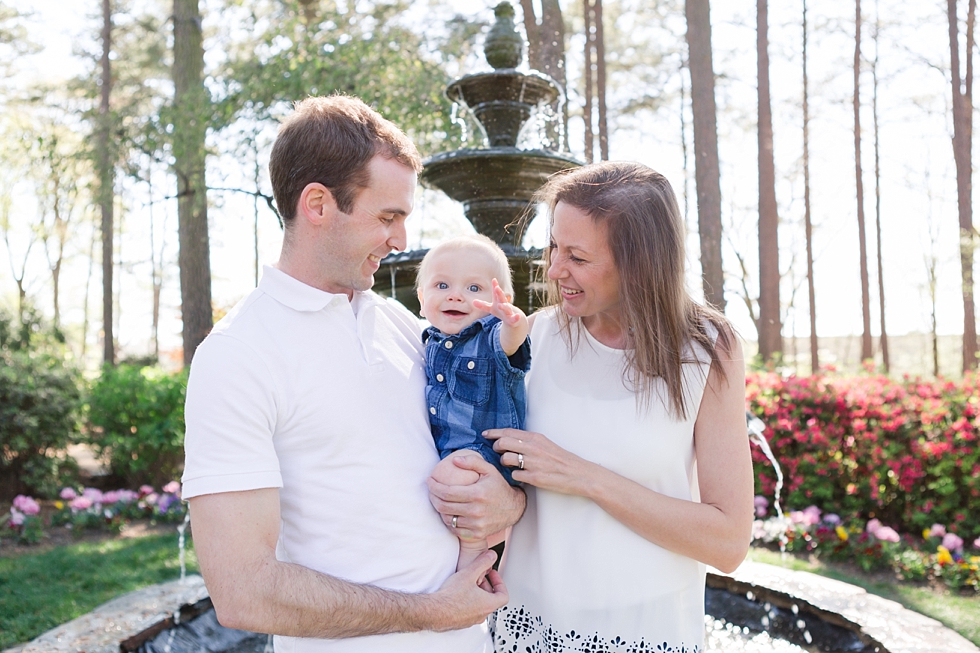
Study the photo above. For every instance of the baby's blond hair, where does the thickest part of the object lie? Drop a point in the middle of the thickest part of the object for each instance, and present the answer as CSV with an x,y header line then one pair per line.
x,y
471,241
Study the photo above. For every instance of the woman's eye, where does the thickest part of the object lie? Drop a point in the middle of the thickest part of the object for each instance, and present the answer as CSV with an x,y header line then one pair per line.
x,y
474,288
442,285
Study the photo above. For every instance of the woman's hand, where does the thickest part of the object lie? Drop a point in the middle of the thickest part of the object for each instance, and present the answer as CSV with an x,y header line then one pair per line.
x,y
540,462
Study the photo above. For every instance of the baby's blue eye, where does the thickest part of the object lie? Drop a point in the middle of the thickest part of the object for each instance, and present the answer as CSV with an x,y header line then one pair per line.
x,y
442,285
474,288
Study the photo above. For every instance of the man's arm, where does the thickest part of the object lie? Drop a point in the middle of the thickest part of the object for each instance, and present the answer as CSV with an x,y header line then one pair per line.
x,y
235,536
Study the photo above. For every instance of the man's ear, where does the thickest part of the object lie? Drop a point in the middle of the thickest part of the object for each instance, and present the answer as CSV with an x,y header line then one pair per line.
x,y
316,204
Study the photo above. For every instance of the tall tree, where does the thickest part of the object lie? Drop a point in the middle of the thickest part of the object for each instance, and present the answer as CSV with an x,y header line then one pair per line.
x,y
546,49
770,324
191,115
594,74
807,217
867,349
885,357
963,156
107,180
706,167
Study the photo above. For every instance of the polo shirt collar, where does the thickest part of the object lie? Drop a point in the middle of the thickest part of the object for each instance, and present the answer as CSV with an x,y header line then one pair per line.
x,y
295,294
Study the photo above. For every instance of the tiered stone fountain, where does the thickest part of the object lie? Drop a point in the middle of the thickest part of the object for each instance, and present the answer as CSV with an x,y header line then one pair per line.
x,y
494,183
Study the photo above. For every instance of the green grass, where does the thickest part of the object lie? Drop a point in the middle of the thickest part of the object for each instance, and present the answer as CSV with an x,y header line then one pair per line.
x,y
40,591
961,612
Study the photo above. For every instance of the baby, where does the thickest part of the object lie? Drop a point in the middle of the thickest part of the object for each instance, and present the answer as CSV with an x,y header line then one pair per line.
x,y
476,354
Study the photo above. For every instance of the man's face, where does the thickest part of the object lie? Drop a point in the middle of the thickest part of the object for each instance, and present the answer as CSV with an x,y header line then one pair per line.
x,y
355,243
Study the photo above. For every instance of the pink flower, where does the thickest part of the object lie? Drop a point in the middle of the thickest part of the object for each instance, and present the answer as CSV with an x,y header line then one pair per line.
x,y
761,505
937,530
26,505
68,494
812,515
16,518
110,497
173,487
873,526
80,503
145,489
976,543
152,497
953,542
887,534
94,495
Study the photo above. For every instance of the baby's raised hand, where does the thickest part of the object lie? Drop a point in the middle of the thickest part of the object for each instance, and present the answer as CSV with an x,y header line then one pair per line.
x,y
500,307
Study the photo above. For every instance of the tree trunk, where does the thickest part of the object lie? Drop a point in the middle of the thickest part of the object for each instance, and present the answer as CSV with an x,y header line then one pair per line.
x,y
706,168
546,53
600,80
885,359
190,130
807,216
106,184
867,349
963,156
588,81
770,327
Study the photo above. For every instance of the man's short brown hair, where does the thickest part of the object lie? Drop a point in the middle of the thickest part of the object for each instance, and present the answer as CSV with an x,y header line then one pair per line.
x,y
330,140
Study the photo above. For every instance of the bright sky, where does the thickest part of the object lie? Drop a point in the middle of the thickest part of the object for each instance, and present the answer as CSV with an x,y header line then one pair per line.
x,y
918,186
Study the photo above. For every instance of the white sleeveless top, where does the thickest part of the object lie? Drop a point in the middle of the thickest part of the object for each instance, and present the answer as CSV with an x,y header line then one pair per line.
x,y
578,579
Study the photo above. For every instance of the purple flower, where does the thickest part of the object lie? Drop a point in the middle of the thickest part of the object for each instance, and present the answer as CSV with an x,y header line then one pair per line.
x,y
165,501
68,494
761,506
26,505
937,530
832,518
953,542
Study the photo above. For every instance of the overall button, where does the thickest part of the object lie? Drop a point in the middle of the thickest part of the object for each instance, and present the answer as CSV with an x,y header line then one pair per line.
x,y
432,409
470,365
449,344
440,378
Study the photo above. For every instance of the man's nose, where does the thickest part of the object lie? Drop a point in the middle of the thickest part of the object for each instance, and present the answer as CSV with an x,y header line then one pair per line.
x,y
398,237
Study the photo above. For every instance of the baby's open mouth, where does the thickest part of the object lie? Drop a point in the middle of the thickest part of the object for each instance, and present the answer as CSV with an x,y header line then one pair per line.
x,y
454,313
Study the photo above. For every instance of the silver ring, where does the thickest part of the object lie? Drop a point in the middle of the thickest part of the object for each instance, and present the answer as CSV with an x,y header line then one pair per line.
x,y
455,517
520,461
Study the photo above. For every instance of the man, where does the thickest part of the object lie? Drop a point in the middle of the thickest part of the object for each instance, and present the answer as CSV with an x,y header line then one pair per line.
x,y
307,441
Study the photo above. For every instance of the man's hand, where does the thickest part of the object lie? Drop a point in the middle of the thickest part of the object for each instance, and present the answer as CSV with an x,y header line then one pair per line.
x,y
486,507
469,595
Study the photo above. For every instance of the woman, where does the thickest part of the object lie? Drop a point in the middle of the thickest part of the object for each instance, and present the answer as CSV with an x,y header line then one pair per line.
x,y
636,460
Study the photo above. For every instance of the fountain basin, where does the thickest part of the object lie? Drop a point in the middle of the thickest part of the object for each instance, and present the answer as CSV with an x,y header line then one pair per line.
x,y
502,100
494,185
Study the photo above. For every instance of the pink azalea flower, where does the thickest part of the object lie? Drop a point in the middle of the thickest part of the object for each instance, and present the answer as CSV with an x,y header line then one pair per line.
x,y
26,505
110,497
761,506
68,494
173,487
92,494
80,503
812,515
976,543
887,534
937,530
145,489
16,518
152,497
953,542
873,526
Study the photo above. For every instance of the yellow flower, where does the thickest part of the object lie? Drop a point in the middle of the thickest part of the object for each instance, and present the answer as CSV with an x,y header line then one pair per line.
x,y
925,533
59,505
943,556
841,533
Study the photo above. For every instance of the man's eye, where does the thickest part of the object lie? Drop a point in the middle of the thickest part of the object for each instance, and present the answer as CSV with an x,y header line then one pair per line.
x,y
474,288
442,285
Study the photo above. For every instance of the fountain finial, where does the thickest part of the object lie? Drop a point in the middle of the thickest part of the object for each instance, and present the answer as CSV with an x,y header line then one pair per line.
x,y
503,47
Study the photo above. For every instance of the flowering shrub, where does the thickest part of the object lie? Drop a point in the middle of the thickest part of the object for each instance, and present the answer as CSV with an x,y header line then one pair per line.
x,y
25,520
94,509
902,451
873,545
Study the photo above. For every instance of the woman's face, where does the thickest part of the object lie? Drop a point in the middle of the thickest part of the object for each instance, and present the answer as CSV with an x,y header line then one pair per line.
x,y
582,264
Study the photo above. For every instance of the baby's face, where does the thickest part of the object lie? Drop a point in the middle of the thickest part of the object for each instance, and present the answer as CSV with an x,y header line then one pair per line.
x,y
454,278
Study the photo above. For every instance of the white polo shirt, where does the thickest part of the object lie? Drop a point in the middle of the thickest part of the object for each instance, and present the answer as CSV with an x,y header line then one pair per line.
x,y
324,398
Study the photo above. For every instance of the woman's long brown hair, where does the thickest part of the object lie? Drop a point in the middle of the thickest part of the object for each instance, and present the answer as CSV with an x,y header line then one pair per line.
x,y
646,235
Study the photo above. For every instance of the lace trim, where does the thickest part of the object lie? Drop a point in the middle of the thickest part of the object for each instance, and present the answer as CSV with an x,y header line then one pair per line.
x,y
517,630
